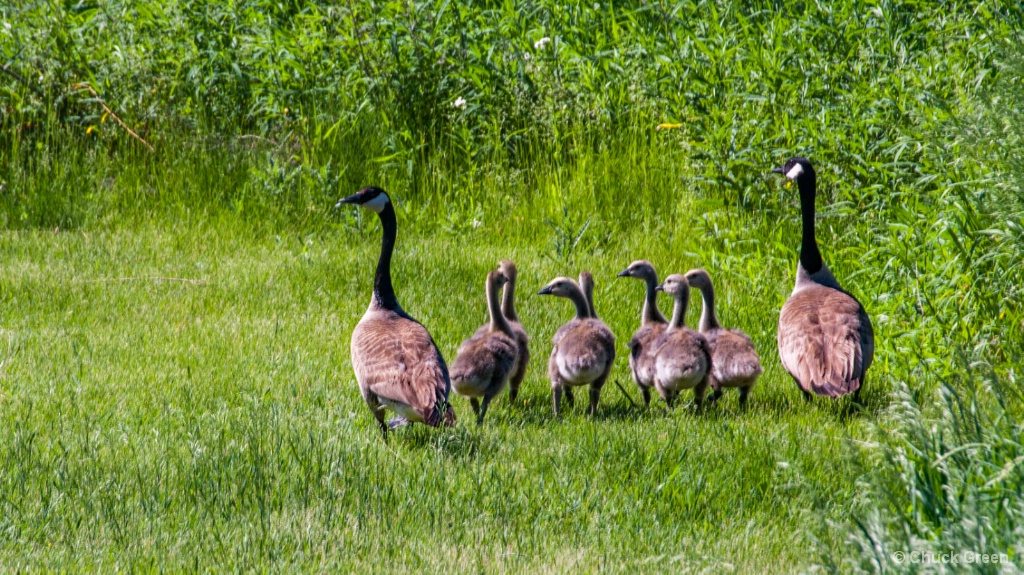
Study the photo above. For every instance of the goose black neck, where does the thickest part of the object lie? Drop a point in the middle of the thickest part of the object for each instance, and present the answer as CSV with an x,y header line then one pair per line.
x,y
383,291
810,257
508,304
651,313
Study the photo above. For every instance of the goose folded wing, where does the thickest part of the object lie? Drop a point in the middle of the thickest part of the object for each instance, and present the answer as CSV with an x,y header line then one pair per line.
x,y
820,344
402,364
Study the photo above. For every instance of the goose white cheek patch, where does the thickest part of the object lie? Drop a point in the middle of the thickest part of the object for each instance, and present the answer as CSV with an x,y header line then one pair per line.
x,y
377,204
795,171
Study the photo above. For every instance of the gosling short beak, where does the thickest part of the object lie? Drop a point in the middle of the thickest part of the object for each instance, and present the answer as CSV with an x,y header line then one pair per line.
x,y
546,290
353,199
778,171
622,274
660,288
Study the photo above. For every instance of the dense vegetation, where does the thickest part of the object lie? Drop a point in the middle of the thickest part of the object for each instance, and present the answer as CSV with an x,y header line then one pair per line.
x,y
213,423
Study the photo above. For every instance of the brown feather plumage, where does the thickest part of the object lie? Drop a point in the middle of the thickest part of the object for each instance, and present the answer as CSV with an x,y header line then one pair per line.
x,y
583,349
825,340
398,366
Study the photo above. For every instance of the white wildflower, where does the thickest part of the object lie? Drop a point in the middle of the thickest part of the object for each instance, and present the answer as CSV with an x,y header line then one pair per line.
x,y
459,103
477,224
542,43
526,56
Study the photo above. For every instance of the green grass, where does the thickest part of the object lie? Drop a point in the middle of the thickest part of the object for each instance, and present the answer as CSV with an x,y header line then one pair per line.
x,y
215,424
149,422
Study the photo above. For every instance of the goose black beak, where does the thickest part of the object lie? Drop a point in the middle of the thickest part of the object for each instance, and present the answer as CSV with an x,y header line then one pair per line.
x,y
353,199
778,171
660,288
622,274
546,290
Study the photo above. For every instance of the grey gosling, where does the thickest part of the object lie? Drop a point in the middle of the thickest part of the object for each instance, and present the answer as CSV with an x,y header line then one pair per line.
x,y
652,325
508,309
682,357
734,361
583,349
484,361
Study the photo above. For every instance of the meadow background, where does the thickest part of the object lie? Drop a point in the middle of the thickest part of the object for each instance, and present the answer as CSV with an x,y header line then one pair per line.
x,y
175,388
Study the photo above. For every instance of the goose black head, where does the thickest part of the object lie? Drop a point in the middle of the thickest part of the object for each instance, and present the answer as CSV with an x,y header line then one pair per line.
x,y
796,169
371,198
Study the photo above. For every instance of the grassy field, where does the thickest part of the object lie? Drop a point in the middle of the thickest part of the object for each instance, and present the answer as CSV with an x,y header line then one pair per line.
x,y
175,385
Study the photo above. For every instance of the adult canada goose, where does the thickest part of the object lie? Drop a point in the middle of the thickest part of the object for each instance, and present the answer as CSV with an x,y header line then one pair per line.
x,y
396,362
682,358
484,362
587,285
583,351
734,361
652,325
825,338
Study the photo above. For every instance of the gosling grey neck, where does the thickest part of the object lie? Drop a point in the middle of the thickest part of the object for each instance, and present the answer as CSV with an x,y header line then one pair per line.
x,y
679,310
498,321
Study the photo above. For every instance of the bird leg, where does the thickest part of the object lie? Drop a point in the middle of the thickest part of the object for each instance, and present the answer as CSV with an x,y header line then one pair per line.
x,y
595,394
646,392
556,396
483,410
744,393
698,392
475,404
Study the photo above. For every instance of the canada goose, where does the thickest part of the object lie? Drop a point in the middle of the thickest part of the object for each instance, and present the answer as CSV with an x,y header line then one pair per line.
x,y
396,362
583,351
734,361
652,325
825,338
508,309
587,285
682,358
484,361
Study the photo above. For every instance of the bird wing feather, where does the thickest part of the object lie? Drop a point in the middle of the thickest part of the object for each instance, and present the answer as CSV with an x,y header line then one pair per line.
x,y
825,340
395,358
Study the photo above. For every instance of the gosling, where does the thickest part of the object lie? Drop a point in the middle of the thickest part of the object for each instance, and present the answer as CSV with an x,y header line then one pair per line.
x,y
734,361
485,360
682,357
583,350
652,326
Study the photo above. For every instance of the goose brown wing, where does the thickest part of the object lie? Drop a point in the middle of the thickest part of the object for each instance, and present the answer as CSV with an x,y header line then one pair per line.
x,y
395,358
825,341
